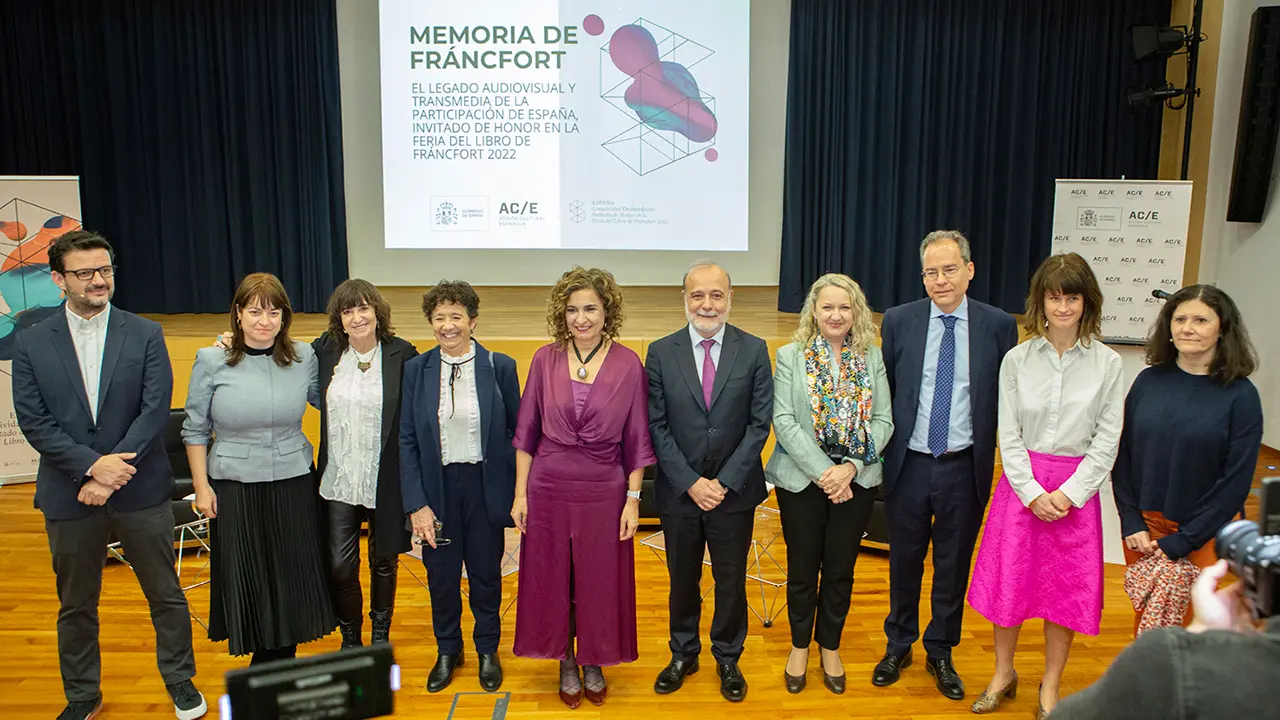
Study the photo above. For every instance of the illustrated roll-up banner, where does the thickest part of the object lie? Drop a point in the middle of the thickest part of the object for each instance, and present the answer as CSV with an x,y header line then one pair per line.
x,y
1133,233
33,212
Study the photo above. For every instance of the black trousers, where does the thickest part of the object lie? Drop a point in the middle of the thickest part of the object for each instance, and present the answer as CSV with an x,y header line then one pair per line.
x,y
935,499
728,537
823,538
79,549
344,564
477,542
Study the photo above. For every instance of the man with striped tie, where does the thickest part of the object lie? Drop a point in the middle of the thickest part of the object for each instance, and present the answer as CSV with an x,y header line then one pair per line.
x,y
942,356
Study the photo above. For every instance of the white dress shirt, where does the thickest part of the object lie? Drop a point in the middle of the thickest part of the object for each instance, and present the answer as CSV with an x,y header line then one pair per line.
x,y
355,431
699,354
459,410
90,339
1071,405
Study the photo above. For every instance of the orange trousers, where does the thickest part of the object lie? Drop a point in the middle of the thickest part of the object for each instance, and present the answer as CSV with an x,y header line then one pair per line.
x,y
1159,526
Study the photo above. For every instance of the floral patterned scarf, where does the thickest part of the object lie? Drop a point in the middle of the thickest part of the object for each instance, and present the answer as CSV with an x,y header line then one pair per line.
x,y
841,412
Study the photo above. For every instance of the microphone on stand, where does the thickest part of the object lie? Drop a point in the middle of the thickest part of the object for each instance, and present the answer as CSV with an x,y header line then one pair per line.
x,y
1160,294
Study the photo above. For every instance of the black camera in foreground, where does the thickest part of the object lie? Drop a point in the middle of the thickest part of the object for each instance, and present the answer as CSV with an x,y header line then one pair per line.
x,y
1253,551
354,683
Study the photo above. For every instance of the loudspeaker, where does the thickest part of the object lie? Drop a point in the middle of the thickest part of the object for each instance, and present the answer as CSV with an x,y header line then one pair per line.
x,y
1259,119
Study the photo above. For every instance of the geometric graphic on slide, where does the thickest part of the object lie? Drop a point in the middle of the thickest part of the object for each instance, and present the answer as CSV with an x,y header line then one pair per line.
x,y
27,291
645,74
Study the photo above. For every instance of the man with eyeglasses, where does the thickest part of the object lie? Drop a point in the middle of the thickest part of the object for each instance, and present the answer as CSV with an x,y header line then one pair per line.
x,y
942,355
92,387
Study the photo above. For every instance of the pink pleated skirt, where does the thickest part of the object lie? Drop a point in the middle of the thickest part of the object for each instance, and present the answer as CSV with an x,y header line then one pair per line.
x,y
1028,568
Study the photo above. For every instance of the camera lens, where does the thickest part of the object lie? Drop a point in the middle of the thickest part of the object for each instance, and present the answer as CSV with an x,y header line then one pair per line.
x,y
1232,541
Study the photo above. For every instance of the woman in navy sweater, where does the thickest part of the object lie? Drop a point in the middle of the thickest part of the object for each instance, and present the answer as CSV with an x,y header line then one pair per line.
x,y
1192,429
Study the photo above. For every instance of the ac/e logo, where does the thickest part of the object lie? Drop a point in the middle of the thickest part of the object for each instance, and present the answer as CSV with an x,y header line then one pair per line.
x,y
1164,193
1088,238
518,208
1144,214
1061,238
1169,282
1079,193
1146,241
1137,320
1116,240
1173,241
1106,193
1134,193
1128,261
1155,261
1112,279
1101,259
1125,299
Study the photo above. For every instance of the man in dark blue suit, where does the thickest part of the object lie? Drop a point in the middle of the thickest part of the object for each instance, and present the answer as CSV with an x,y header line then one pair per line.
x,y
942,356
92,386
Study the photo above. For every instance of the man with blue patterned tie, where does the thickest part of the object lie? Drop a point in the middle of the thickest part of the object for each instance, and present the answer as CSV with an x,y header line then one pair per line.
x,y
942,356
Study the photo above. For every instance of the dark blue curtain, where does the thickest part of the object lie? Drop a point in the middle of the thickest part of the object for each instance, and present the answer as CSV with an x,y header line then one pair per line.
x,y
206,133
905,116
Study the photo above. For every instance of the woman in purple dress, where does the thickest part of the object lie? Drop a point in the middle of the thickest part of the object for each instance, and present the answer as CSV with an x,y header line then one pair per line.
x,y
582,443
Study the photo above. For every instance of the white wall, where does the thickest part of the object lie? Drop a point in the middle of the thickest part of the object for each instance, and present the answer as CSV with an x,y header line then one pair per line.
x,y
1243,258
362,161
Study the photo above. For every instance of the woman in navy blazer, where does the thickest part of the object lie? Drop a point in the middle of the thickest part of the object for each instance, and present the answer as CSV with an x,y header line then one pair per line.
x,y
457,475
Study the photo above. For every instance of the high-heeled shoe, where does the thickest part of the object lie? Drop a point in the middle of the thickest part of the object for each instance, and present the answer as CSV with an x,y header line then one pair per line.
x,y
1041,713
573,699
596,697
989,702
795,683
834,683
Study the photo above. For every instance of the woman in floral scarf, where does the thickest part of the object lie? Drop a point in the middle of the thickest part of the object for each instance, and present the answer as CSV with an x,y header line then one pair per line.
x,y
832,416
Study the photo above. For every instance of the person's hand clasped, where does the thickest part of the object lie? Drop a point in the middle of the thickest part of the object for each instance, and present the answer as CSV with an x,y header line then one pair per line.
x,y
1044,508
835,481
630,520
520,512
95,493
1141,542
113,470
223,341
1215,609
424,525
708,494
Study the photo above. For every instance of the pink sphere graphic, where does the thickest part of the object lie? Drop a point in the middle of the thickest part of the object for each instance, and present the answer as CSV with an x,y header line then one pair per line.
x,y
593,24
711,155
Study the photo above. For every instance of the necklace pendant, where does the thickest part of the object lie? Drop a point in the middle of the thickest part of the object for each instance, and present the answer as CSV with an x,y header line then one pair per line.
x,y
364,366
582,373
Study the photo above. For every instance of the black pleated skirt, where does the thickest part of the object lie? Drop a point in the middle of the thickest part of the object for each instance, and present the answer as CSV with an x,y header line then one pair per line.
x,y
269,585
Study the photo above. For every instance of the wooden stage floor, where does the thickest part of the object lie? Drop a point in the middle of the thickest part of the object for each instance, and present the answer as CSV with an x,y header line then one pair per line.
x,y
516,316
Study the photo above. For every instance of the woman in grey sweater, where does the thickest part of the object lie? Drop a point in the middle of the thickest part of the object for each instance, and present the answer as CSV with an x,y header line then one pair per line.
x,y
268,589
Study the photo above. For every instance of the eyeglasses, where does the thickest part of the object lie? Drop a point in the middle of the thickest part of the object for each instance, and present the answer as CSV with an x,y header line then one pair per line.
x,y
948,272
87,274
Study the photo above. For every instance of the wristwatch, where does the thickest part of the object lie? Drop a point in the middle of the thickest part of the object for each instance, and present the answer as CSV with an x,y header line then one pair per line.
x,y
633,494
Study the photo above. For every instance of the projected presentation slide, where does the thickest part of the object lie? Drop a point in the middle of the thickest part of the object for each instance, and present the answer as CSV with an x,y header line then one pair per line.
x,y
521,124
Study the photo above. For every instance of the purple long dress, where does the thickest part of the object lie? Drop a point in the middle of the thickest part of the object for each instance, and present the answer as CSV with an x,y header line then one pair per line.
x,y
577,489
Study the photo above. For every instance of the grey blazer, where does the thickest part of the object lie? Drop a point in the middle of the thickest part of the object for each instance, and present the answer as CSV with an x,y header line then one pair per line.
x,y
797,458
253,414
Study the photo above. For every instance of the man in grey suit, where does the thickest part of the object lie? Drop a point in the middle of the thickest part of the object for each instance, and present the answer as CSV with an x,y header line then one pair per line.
x,y
91,387
710,408
942,355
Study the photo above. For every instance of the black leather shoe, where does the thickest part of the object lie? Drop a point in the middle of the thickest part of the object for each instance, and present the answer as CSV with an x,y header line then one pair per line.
x,y
732,685
795,683
834,683
944,673
672,676
442,672
490,672
889,668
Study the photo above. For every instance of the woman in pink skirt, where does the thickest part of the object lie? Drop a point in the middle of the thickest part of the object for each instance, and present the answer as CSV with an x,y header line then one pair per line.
x,y
1061,410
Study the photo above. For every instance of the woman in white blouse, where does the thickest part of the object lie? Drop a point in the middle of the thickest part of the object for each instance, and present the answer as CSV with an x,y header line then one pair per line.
x,y
1061,409
458,476
361,363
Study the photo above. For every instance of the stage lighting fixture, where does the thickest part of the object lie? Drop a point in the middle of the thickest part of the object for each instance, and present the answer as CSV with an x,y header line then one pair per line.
x,y
1158,42
1141,98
